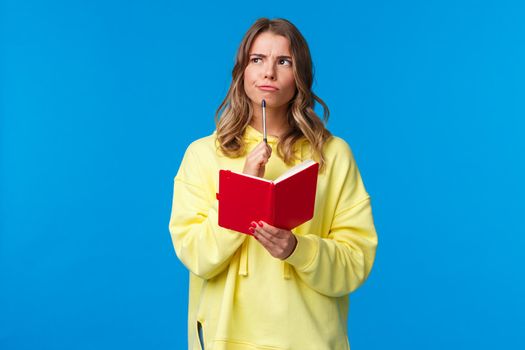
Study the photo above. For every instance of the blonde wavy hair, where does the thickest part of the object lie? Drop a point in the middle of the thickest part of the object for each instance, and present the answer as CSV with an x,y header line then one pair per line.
x,y
236,109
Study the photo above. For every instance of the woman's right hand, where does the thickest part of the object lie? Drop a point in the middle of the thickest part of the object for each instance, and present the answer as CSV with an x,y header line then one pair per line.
x,y
257,159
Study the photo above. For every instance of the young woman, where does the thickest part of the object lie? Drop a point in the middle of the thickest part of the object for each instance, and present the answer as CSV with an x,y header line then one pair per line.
x,y
277,289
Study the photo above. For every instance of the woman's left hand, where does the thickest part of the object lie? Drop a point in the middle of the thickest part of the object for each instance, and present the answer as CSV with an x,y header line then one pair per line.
x,y
278,242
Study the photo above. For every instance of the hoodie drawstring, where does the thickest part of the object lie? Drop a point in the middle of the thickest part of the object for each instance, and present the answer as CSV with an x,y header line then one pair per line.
x,y
243,261
286,270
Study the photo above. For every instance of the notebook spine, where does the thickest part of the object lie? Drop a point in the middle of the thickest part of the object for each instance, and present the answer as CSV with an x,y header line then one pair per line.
x,y
272,205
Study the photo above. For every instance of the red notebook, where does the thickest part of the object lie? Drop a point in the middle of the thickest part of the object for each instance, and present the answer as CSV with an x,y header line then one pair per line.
x,y
285,202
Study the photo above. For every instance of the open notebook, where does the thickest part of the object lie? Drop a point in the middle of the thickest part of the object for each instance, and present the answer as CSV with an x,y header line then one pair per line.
x,y
285,202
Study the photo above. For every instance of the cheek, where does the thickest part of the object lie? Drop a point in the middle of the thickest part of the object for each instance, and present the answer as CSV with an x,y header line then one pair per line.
x,y
247,85
248,76
290,83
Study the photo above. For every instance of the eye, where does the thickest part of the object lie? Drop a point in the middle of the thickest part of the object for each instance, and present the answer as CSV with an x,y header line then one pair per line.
x,y
285,62
255,59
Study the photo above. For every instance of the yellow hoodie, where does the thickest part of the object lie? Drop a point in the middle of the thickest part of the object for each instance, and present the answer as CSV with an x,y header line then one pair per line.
x,y
242,296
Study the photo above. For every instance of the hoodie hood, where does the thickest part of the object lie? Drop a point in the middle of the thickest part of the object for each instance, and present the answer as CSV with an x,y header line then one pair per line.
x,y
254,136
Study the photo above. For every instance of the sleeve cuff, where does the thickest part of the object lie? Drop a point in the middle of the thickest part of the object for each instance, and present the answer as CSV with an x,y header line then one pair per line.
x,y
213,219
305,252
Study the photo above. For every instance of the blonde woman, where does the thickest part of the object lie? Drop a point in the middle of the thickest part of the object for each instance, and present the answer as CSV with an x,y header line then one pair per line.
x,y
277,289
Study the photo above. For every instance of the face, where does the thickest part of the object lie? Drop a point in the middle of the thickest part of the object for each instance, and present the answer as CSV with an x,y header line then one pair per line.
x,y
269,73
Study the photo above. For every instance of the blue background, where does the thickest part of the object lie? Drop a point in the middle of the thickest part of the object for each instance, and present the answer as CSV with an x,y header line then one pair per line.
x,y
100,99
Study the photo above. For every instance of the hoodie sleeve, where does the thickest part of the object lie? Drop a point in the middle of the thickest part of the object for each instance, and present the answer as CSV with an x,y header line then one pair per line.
x,y
339,263
201,244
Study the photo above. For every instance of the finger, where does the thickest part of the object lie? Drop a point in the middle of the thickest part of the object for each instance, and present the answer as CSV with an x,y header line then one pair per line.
x,y
274,231
260,162
261,153
257,150
259,231
263,159
268,150
275,250
265,242
261,146
267,235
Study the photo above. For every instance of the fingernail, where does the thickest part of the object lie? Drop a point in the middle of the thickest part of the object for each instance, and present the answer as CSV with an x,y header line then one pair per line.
x,y
254,224
251,229
260,223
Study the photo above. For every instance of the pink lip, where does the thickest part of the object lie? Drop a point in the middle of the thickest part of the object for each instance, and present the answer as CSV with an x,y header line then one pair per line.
x,y
268,88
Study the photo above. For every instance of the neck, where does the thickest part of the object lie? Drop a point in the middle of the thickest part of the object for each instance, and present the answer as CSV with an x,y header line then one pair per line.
x,y
276,120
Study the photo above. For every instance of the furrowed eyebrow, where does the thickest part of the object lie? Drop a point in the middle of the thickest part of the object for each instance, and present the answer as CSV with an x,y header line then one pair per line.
x,y
263,56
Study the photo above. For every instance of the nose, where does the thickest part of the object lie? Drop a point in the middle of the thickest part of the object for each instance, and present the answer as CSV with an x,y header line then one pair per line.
x,y
269,71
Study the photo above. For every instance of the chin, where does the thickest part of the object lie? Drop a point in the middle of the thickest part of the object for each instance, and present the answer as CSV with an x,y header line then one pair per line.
x,y
271,100
271,103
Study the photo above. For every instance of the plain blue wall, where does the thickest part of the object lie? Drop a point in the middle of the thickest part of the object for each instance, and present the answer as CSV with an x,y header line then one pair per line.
x,y
99,100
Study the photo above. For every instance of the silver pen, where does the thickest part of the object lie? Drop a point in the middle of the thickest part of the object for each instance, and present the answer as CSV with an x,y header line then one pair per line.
x,y
264,121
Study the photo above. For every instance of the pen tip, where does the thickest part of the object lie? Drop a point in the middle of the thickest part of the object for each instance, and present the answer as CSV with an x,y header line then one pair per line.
x,y
263,103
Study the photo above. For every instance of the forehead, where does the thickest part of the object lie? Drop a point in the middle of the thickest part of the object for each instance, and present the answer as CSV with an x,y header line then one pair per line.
x,y
268,43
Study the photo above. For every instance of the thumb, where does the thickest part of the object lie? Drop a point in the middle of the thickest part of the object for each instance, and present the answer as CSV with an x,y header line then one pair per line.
x,y
261,170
